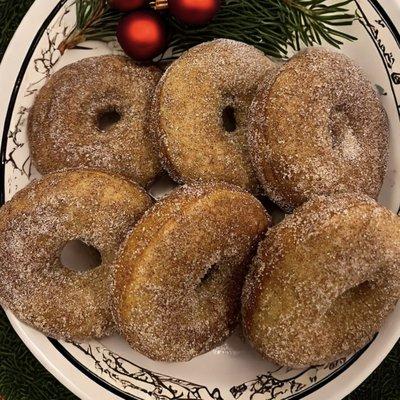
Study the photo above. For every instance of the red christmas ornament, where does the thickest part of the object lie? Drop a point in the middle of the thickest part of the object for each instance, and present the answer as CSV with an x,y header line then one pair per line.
x,y
127,5
142,35
194,12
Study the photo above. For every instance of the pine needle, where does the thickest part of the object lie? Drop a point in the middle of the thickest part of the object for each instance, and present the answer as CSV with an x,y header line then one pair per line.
x,y
95,20
273,26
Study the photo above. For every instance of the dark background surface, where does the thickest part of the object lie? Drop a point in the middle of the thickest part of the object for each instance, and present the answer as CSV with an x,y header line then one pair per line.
x,y
21,375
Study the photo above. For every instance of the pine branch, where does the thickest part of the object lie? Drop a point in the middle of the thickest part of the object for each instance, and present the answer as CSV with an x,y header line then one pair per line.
x,y
272,26
95,20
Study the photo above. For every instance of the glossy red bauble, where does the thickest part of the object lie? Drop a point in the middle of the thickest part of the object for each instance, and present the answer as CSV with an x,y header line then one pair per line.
x,y
142,35
127,5
194,12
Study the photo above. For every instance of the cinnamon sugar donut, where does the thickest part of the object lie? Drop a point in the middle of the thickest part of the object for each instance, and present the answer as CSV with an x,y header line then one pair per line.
x,y
323,280
317,126
93,113
210,83
179,275
92,206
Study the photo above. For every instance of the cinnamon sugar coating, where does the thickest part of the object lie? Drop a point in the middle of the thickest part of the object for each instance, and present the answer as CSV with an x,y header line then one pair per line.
x,y
188,107
316,127
323,280
64,127
94,207
179,274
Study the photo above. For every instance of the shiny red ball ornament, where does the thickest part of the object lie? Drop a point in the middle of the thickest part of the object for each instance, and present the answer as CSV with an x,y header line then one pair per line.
x,y
194,12
142,35
127,5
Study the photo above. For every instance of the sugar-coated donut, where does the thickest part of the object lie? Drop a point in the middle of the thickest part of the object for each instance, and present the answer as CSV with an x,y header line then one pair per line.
x,y
323,280
94,113
317,126
92,206
210,81
179,275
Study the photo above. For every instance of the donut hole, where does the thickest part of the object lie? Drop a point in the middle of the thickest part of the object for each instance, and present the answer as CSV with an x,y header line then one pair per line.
x,y
77,255
106,119
354,292
229,119
338,125
342,134
210,273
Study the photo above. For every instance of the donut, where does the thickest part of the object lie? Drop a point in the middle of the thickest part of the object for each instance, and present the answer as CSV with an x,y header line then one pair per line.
x,y
179,274
316,126
209,84
92,206
94,114
323,280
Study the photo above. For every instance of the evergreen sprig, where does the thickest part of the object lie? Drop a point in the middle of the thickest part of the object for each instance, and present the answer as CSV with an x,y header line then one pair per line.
x,y
95,20
272,26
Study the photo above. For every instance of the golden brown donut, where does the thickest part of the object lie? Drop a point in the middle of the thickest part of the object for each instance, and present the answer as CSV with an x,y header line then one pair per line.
x,y
67,127
323,280
209,81
317,126
179,275
94,207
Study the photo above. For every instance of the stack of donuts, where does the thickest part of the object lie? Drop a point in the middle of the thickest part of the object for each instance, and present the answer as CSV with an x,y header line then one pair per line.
x,y
231,128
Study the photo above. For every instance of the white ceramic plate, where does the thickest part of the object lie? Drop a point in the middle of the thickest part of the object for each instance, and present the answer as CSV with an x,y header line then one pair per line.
x,y
109,369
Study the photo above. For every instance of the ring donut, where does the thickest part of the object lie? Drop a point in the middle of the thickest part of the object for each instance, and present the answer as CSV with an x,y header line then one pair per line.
x,y
92,206
323,281
317,126
102,125
179,275
210,83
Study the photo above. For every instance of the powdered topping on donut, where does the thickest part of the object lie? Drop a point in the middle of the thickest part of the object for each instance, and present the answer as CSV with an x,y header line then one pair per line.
x,y
94,113
323,280
316,128
200,110
179,274
311,133
94,207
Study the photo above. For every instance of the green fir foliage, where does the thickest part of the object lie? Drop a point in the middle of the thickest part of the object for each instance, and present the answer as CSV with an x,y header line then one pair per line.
x,y
272,26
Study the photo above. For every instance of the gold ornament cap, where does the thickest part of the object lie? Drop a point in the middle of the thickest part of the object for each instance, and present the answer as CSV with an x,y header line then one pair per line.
x,y
159,4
